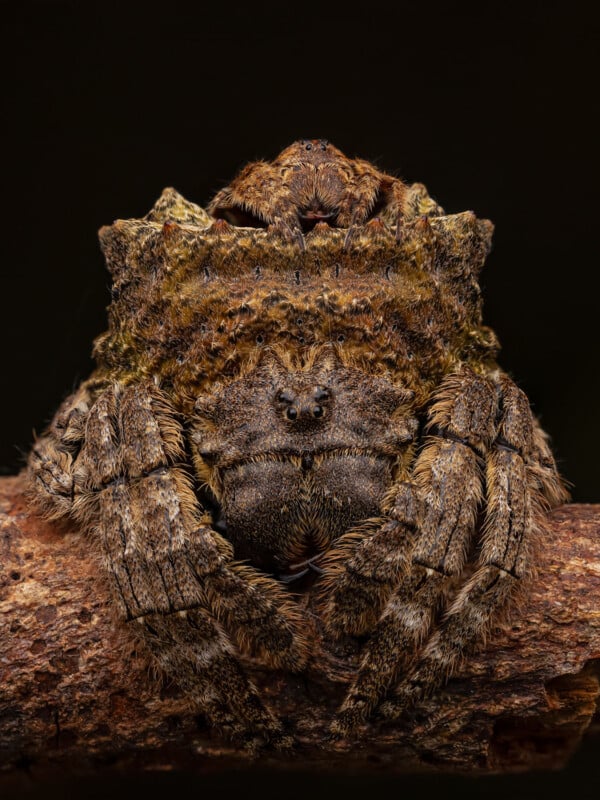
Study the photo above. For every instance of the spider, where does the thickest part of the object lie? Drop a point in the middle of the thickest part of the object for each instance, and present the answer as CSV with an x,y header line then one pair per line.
x,y
311,181
296,444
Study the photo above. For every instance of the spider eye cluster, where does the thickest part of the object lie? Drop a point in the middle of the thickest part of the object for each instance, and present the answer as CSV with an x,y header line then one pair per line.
x,y
320,144
303,406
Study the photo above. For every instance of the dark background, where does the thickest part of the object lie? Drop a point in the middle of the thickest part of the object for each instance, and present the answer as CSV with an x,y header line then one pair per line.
x,y
491,106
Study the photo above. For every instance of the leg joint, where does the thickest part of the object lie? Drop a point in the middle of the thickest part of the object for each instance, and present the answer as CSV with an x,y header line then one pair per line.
x,y
443,433
503,444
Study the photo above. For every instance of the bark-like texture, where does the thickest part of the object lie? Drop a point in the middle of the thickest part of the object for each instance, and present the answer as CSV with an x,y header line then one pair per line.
x,y
73,694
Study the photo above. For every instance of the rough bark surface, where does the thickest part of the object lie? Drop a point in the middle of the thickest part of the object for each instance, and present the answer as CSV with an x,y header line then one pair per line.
x,y
74,695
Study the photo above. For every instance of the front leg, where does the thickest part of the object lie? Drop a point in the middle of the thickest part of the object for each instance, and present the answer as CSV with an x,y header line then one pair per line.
x,y
361,193
371,194
445,492
521,483
170,570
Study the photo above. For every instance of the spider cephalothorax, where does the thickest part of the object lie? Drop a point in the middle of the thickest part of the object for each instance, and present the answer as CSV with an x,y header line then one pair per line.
x,y
324,403
316,453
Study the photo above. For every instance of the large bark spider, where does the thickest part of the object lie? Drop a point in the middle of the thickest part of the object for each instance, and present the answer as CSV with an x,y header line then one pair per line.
x,y
298,439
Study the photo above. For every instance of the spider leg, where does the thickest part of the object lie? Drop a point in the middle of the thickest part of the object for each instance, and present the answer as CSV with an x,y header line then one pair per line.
x,y
516,502
51,459
190,645
364,567
255,198
245,200
372,193
396,200
286,226
163,557
448,481
359,198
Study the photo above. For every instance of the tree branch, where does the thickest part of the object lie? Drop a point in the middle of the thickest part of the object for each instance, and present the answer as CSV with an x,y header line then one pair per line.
x,y
73,692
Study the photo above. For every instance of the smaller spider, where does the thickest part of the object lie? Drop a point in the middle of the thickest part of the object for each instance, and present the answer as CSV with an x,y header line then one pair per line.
x,y
311,181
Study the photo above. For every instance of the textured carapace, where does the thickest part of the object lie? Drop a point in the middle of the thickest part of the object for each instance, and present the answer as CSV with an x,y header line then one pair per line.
x,y
300,384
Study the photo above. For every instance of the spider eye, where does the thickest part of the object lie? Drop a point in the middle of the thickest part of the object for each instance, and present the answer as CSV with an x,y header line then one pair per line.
x,y
309,146
321,394
317,411
324,144
291,413
285,397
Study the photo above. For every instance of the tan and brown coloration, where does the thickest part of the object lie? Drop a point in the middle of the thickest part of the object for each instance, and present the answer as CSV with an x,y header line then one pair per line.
x,y
310,182
301,451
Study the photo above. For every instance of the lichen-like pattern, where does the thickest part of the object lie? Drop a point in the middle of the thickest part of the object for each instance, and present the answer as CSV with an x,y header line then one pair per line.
x,y
297,447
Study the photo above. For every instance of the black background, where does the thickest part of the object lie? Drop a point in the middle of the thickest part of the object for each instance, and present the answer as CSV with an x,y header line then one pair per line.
x,y
491,106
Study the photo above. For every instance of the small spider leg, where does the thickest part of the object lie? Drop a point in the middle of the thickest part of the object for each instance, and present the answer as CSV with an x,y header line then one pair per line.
x,y
156,544
255,198
51,459
243,201
395,193
287,228
359,199
364,567
448,482
373,193
516,504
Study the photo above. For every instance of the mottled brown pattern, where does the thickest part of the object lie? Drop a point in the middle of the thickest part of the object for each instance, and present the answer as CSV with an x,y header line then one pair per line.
x,y
297,448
